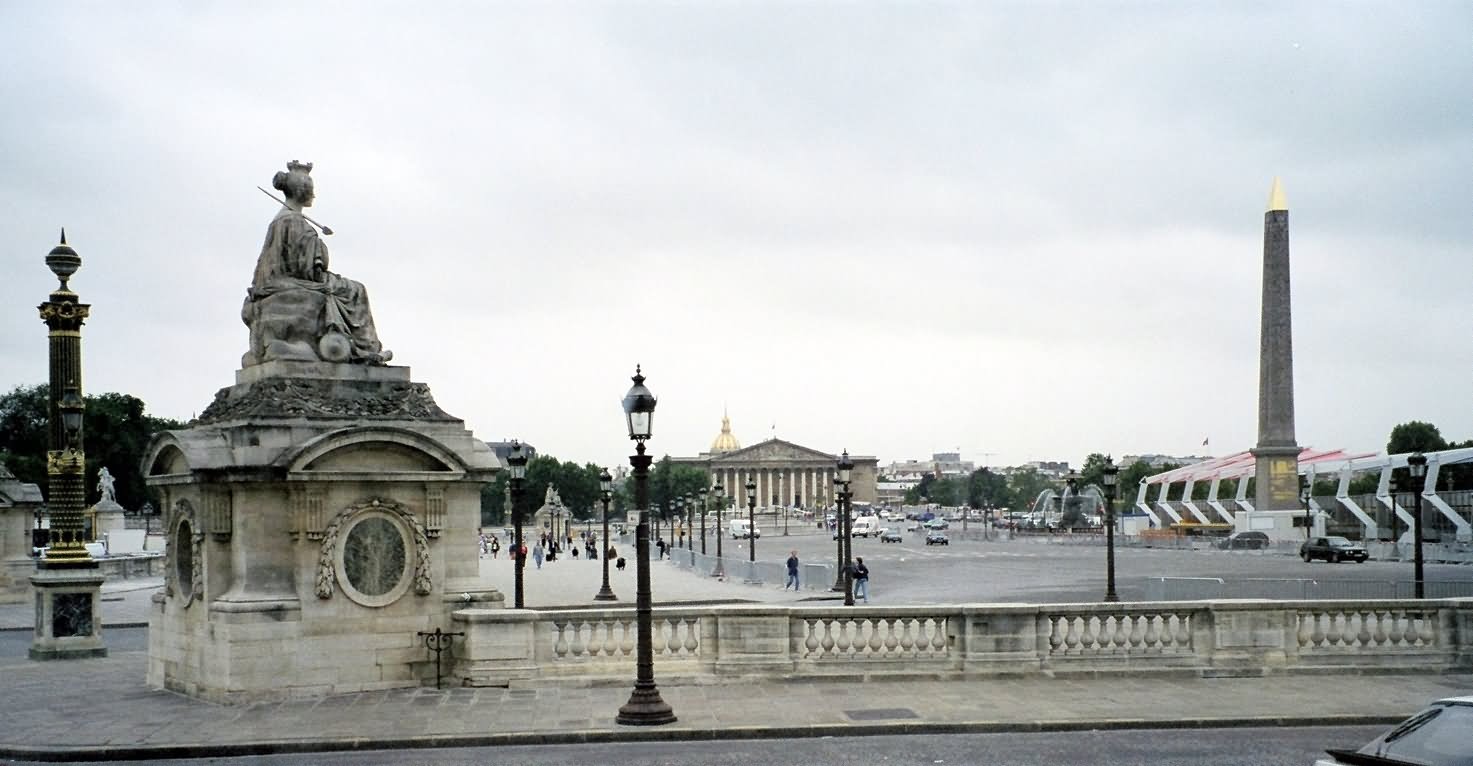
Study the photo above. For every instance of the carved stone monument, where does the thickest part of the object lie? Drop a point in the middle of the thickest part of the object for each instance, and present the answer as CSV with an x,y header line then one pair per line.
x,y
322,510
106,515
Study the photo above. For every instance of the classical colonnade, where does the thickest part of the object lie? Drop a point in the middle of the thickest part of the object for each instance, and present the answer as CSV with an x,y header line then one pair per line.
x,y
810,486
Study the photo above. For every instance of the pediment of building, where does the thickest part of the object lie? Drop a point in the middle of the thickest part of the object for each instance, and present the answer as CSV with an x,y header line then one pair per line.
x,y
772,450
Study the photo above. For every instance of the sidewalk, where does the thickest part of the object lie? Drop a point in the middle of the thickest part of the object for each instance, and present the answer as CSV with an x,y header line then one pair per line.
x,y
101,709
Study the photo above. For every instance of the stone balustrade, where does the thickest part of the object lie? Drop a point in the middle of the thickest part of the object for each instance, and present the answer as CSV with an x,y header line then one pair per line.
x,y
703,644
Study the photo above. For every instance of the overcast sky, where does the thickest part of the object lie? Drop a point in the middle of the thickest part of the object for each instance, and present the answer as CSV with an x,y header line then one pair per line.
x,y
1026,230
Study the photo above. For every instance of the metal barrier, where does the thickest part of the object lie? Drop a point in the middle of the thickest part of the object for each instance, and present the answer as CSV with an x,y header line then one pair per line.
x,y
760,572
1305,588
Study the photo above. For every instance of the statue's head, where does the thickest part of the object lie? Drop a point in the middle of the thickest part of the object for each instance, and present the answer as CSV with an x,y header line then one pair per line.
x,y
295,182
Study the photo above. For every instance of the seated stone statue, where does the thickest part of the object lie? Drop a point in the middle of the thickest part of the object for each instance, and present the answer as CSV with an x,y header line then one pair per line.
x,y
296,308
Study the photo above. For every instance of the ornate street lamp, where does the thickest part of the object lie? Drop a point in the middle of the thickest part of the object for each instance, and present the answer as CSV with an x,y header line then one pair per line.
x,y
516,463
702,493
846,468
645,707
720,492
752,521
66,582
1417,467
1112,472
606,493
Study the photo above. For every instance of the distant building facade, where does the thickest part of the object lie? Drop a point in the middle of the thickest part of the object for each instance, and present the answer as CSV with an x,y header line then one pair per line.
x,y
786,474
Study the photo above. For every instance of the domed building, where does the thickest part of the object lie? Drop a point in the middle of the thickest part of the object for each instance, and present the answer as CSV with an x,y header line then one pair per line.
x,y
724,441
786,474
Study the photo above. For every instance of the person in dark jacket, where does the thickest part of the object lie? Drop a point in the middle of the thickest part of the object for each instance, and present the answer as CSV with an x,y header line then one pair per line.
x,y
792,571
861,579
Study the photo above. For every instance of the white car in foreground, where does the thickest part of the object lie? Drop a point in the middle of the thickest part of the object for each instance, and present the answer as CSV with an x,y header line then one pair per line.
x,y
1438,735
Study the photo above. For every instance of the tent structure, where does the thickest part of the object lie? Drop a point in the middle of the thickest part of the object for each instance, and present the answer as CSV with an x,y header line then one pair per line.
x,y
1312,463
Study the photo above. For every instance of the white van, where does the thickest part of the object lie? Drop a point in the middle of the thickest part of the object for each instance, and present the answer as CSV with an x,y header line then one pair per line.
x,y
866,526
740,530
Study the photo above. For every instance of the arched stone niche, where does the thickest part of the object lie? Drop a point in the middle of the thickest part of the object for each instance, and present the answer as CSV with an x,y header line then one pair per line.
x,y
374,551
184,575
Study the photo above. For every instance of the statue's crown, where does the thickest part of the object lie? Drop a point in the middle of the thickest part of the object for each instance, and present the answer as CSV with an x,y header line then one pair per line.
x,y
298,167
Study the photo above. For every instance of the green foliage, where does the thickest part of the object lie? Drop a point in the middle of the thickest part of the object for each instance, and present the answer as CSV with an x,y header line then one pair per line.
x,y
1415,436
116,431
921,492
987,489
1024,486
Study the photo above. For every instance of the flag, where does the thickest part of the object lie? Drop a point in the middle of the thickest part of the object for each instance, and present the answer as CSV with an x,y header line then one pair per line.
x,y
1204,441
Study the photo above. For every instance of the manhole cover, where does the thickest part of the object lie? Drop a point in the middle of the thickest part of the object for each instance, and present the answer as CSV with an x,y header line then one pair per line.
x,y
881,713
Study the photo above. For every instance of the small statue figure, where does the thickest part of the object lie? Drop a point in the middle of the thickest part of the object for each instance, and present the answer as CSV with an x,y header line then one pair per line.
x,y
105,487
296,308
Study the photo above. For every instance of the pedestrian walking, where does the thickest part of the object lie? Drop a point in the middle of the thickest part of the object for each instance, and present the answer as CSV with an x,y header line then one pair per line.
x,y
495,546
485,545
792,571
660,544
861,579
575,551
537,555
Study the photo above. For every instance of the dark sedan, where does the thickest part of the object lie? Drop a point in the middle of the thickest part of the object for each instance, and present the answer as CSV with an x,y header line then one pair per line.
x,y
889,536
937,538
1333,550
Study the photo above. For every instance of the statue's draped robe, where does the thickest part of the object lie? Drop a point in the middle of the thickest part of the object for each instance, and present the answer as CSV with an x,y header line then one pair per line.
x,y
295,258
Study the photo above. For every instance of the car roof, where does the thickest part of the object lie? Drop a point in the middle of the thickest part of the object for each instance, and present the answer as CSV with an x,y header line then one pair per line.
x,y
1464,700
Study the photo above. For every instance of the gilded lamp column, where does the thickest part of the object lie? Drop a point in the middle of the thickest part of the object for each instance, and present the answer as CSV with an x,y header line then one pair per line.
x,y
66,462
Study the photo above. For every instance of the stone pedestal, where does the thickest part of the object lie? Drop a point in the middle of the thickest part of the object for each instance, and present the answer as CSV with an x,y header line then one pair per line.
x,y
107,517
68,614
318,516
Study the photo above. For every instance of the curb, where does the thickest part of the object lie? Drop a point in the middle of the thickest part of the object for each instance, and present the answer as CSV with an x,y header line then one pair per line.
x,y
637,734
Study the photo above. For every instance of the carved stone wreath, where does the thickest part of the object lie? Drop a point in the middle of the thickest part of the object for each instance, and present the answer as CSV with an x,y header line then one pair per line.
x,y
184,513
329,555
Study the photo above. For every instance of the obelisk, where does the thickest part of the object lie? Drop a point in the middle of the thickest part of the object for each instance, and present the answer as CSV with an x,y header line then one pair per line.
x,y
1277,454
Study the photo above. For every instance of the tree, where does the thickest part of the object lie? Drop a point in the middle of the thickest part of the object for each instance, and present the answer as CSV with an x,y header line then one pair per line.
x,y
921,491
987,489
116,430
1415,436
1024,487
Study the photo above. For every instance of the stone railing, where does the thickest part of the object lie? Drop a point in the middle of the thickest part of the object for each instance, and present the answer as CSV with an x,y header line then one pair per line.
x,y
698,644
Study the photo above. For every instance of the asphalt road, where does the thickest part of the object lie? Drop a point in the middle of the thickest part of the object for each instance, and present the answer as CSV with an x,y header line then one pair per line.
x,y
1170,747
1035,570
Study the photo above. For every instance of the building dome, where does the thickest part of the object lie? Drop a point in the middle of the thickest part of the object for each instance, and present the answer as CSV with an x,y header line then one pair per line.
x,y
725,442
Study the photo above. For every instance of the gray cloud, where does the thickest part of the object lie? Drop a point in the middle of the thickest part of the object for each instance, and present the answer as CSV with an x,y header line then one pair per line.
x,y
1025,229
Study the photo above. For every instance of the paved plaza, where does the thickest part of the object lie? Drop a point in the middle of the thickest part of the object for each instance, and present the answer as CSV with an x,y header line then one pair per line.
x,y
101,708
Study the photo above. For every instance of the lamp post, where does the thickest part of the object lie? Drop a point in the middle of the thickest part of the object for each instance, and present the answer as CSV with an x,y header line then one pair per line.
x,y
690,521
606,493
66,582
645,707
1391,492
1417,467
1304,495
846,467
702,494
838,535
1112,472
720,491
752,521
517,465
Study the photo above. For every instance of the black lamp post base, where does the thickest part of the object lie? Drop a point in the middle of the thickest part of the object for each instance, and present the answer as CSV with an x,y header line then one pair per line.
x,y
605,594
1112,598
645,708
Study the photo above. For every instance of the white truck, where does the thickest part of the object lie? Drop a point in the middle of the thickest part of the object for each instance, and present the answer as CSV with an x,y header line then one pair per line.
x,y
742,529
866,526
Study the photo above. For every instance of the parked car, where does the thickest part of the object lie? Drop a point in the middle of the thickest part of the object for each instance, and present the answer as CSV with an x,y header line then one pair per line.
x,y
888,535
938,524
935,537
1250,540
1333,550
1435,736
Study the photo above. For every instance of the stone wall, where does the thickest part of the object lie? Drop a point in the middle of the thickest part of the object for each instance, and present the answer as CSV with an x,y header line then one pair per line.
x,y
698,645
